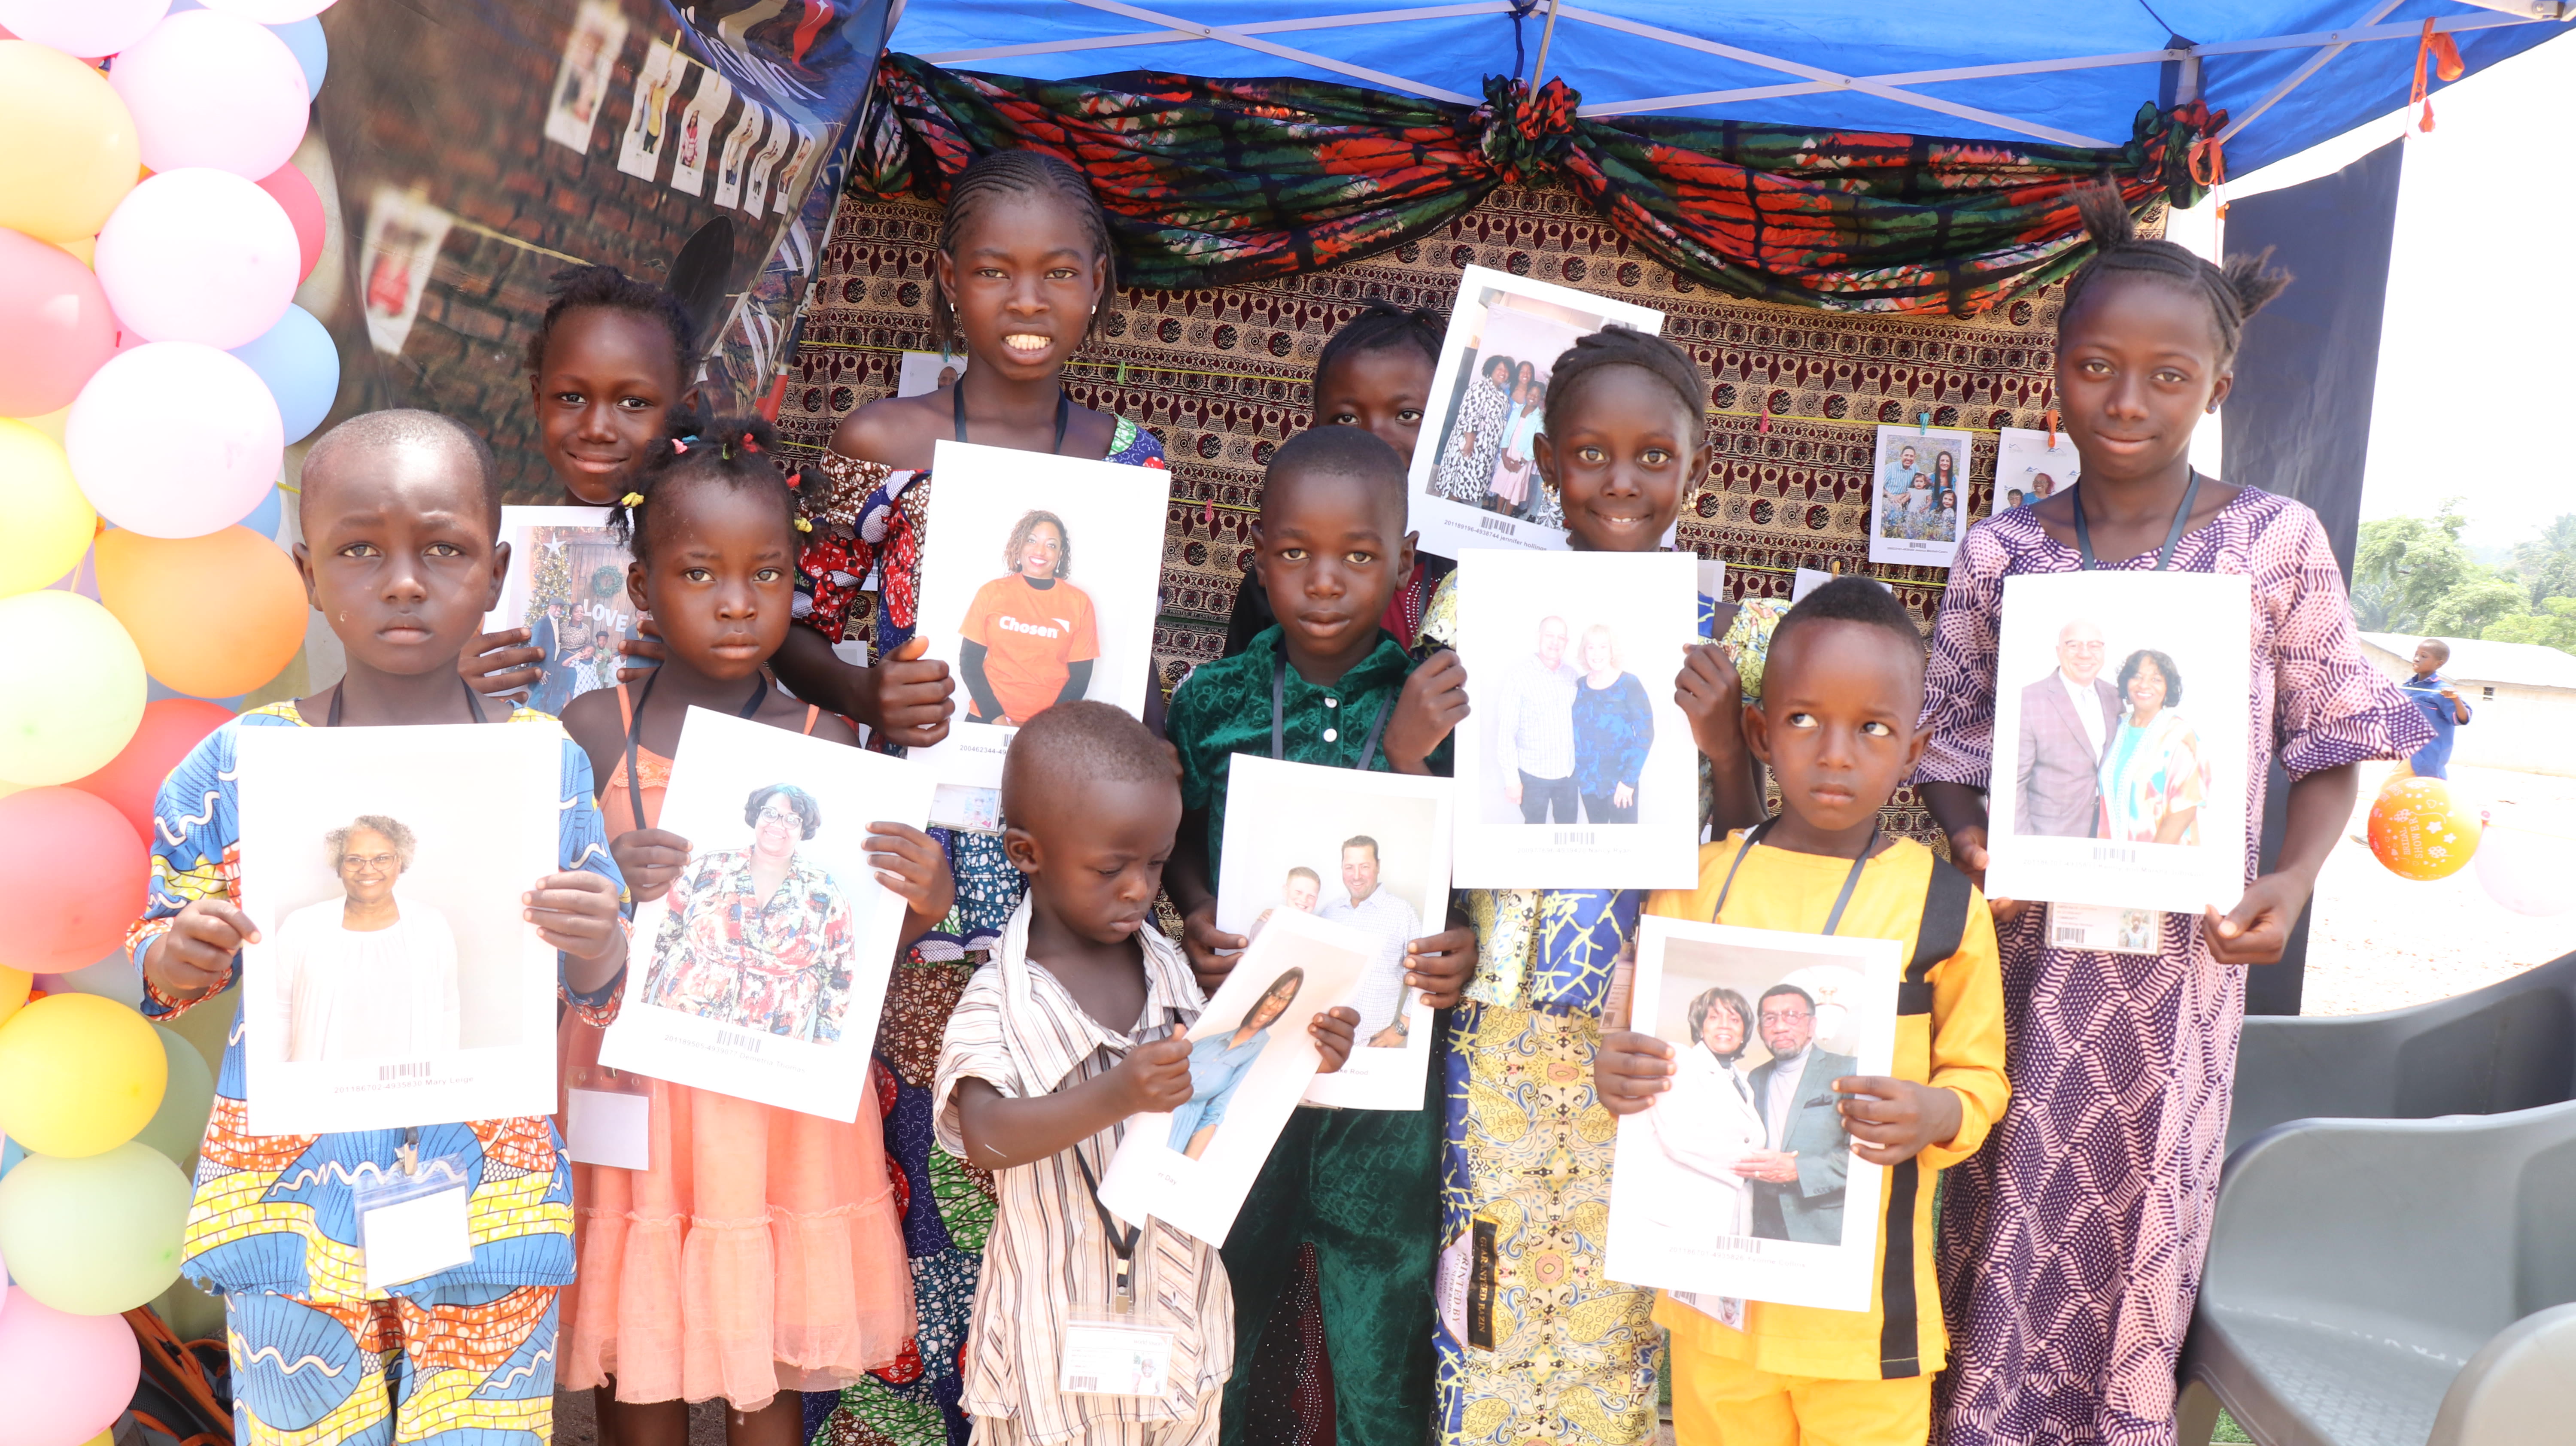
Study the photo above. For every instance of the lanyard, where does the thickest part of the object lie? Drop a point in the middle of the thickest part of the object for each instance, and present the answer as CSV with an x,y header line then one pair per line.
x,y
1279,718
473,705
1063,414
1842,900
635,727
1121,1244
2173,535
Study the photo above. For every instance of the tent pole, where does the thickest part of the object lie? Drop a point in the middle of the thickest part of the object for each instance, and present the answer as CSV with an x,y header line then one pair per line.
x,y
1538,73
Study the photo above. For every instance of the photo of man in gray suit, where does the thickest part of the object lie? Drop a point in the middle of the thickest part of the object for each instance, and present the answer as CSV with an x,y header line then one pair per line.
x,y
2068,720
1798,1181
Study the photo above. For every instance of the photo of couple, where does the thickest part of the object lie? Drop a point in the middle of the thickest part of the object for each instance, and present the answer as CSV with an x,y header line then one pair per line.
x,y
1375,911
2107,752
1919,488
1575,728
1757,1150
1489,459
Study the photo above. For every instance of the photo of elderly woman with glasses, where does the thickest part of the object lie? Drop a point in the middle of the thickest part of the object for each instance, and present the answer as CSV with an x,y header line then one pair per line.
x,y
760,937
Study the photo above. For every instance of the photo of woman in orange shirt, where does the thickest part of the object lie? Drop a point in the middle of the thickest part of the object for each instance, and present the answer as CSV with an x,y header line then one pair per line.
x,y
1030,636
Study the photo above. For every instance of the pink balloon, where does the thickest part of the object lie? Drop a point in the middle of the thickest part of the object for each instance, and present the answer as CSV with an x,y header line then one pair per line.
x,y
199,255
66,1377
55,328
209,89
270,12
92,27
174,439
303,207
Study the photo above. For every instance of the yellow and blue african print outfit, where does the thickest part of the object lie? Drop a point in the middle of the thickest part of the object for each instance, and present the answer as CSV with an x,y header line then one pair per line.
x,y
316,1359
1535,1342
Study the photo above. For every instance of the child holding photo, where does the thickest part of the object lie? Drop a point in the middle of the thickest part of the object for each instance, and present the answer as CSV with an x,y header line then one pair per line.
x,y
1079,1022
1837,724
1031,635
761,1254
1525,1141
2069,1295
400,512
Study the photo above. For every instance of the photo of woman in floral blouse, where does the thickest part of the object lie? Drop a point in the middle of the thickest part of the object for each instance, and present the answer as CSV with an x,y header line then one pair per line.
x,y
759,938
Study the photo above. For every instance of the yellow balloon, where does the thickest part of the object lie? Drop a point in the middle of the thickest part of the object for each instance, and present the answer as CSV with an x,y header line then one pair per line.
x,y
84,250
73,152
13,990
71,687
79,1075
49,522
49,423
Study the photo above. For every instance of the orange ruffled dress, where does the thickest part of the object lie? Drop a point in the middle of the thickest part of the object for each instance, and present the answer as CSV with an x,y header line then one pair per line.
x,y
762,1252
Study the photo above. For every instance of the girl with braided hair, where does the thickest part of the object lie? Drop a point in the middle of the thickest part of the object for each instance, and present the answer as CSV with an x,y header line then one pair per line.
x,y
2071,1246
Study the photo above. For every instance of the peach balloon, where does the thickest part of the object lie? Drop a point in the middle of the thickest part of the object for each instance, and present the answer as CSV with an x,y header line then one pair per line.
x,y
132,780
213,616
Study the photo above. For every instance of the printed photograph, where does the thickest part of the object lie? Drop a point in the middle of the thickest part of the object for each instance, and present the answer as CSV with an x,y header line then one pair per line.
x,y
2032,466
1370,850
404,234
567,587
1251,1060
2120,746
1918,495
1038,587
1740,1179
395,981
648,125
581,81
928,371
1576,767
749,125
1474,480
762,971
697,139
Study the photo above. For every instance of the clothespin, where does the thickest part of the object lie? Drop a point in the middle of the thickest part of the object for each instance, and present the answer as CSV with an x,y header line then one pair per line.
x,y
2442,53
1921,420
1122,374
2051,415
1207,516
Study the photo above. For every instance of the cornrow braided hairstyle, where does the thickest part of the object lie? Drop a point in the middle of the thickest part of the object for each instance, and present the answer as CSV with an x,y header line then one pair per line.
x,y
1381,326
579,287
1016,173
2233,292
738,451
1617,345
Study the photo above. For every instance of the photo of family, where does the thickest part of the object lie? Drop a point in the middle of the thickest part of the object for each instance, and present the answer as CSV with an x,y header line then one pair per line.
x,y
923,372
1576,760
2120,751
1740,1179
2032,466
567,587
1474,480
1370,850
1918,495
1038,586
1251,1059
581,81
394,978
761,972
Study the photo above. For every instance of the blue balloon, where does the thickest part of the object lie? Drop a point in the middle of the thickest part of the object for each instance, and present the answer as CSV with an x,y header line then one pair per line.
x,y
264,518
304,37
301,365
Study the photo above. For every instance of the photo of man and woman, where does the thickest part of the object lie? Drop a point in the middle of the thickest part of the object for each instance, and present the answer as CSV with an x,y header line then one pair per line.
x,y
1740,1179
761,971
393,974
1474,480
567,587
2119,740
1918,495
1370,850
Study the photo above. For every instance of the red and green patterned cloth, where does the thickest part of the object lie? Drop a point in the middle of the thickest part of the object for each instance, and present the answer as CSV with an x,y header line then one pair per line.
x,y
1220,182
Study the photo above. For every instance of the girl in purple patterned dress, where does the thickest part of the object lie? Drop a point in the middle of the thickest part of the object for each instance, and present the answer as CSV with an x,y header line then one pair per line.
x,y
2071,1247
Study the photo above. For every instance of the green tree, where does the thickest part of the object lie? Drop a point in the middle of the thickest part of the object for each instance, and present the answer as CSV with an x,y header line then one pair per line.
x,y
2405,566
2548,562
2474,604
2554,626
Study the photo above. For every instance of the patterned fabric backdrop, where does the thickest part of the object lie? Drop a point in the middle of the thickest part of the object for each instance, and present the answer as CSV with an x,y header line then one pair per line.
x,y
1221,376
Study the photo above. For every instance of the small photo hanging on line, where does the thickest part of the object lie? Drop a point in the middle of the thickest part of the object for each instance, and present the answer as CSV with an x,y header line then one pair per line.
x,y
1474,479
1918,505
581,81
1739,1181
2032,466
567,587
2120,743
395,980
927,371
1370,850
761,972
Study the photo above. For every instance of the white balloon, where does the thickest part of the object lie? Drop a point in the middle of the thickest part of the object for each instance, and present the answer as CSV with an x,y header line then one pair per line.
x,y
2524,871
174,439
86,28
207,89
198,255
270,12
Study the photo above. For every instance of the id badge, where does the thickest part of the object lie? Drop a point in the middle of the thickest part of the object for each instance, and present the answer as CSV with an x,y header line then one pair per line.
x,y
1104,1353
1726,1310
412,1225
609,1121
2105,928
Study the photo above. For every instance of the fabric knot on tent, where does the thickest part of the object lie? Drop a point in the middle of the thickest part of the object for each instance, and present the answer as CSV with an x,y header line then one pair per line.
x,y
1527,133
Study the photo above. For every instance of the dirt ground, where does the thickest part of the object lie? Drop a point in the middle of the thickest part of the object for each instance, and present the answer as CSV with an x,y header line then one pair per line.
x,y
2377,941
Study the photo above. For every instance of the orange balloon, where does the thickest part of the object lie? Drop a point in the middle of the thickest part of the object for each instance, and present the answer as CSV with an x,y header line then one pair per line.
x,y
213,616
132,780
2420,831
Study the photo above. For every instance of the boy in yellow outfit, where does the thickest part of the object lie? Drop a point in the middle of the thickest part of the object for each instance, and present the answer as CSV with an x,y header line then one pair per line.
x,y
1837,726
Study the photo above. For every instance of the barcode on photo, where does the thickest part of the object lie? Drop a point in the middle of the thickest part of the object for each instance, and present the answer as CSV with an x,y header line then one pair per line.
x,y
2072,936
2103,855
417,1070
1751,1244
1573,838
747,1043
1082,1383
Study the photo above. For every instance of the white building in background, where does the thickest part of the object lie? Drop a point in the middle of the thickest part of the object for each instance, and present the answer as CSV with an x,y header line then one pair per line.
x,y
2523,696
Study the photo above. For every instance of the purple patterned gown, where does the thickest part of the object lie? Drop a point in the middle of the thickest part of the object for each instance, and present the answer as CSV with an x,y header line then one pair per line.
x,y
2071,1245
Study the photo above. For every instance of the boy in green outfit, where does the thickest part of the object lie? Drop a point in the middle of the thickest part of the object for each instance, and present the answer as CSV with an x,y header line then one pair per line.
x,y
1328,686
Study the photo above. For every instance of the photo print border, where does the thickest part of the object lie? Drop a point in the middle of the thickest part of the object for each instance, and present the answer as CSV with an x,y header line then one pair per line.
x,y
1890,540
